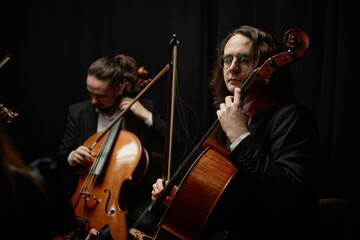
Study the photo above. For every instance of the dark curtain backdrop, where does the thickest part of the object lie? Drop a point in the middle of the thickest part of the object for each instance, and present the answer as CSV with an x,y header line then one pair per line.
x,y
52,43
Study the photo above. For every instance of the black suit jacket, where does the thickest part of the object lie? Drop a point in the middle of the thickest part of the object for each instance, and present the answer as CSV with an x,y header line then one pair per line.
x,y
274,193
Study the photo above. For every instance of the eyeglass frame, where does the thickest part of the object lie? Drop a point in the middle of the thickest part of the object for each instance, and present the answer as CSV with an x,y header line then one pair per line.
x,y
241,58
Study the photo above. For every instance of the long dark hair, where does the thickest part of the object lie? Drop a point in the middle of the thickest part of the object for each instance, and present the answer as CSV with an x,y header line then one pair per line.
x,y
263,46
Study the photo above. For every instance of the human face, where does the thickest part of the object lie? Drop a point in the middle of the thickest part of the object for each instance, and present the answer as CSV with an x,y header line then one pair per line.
x,y
237,50
103,96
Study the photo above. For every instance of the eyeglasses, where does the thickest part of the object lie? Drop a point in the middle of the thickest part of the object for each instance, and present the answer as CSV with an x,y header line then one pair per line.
x,y
225,61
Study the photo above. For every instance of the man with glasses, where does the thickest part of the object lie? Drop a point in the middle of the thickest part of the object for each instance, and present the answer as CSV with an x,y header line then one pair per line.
x,y
273,142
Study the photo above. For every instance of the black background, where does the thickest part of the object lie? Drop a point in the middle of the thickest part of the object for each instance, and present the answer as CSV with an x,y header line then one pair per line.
x,y
52,43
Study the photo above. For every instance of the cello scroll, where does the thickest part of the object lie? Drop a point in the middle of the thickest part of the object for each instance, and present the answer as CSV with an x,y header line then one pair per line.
x,y
297,42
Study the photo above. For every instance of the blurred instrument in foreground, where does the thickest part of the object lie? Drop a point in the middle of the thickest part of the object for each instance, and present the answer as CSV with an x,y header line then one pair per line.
x,y
4,60
7,114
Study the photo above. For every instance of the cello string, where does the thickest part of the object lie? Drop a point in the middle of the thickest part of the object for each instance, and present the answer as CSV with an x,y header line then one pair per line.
x,y
101,158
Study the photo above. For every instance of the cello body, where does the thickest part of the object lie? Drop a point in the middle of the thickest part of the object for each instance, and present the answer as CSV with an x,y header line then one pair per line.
x,y
198,194
101,194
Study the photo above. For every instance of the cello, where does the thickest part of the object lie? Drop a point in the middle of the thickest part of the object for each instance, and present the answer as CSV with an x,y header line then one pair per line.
x,y
206,173
99,200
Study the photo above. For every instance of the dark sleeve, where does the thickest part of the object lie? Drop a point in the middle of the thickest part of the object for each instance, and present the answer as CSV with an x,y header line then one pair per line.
x,y
68,141
80,125
280,158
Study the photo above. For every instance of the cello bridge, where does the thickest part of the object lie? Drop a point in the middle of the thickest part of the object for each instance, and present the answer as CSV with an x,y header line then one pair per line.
x,y
88,196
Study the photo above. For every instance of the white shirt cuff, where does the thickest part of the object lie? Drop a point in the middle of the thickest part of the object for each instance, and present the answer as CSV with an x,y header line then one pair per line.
x,y
149,121
69,157
238,140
